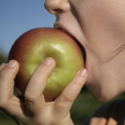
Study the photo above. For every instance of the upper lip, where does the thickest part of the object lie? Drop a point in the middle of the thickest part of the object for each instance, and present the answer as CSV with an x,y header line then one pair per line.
x,y
63,28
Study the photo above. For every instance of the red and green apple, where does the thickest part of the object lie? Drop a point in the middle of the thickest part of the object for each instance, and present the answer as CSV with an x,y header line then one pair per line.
x,y
32,47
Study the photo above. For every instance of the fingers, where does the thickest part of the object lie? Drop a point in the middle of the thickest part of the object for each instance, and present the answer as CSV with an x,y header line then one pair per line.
x,y
8,102
69,94
34,108
37,83
7,76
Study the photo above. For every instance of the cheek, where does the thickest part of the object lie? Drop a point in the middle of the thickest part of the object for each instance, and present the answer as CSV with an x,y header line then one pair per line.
x,y
102,24
98,17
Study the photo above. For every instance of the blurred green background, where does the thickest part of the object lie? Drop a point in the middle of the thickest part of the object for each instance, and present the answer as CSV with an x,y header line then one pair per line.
x,y
82,108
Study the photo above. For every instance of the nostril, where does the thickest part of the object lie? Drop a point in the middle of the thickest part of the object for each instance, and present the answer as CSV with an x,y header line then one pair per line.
x,y
53,10
57,11
57,6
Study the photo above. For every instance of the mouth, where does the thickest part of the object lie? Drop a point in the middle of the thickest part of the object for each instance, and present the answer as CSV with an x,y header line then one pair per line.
x,y
81,47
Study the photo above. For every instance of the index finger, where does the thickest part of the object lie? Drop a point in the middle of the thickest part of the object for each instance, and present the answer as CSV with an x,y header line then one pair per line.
x,y
36,85
65,100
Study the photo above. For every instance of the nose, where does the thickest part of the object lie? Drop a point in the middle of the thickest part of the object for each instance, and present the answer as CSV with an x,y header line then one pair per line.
x,y
57,6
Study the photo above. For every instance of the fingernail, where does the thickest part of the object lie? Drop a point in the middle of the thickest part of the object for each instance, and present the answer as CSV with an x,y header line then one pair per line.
x,y
48,61
83,72
11,63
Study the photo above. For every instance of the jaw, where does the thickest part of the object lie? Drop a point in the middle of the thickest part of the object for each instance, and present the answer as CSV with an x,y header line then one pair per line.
x,y
106,80
103,82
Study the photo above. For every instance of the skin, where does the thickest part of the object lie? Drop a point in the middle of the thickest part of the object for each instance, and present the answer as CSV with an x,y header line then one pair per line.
x,y
99,27
34,110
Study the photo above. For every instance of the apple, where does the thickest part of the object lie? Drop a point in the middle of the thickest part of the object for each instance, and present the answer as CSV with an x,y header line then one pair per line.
x,y
32,47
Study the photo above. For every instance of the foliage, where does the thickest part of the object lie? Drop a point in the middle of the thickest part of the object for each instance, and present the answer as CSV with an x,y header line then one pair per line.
x,y
3,57
82,108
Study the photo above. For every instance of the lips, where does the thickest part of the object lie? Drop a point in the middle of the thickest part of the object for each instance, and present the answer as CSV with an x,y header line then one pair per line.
x,y
66,31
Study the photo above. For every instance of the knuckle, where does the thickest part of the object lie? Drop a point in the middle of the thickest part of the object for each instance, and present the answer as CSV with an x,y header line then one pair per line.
x,y
65,97
43,71
76,84
30,97
42,68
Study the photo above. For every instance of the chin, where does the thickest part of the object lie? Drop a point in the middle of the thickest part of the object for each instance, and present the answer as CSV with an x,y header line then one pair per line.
x,y
101,93
103,98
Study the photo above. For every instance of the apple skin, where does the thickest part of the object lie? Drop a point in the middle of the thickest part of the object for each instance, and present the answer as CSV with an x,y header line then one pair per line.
x,y
31,48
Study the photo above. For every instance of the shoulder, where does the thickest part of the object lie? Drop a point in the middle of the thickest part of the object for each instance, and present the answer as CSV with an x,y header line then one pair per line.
x,y
111,113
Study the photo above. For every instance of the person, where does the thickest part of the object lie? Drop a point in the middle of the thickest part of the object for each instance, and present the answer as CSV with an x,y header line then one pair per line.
x,y
99,26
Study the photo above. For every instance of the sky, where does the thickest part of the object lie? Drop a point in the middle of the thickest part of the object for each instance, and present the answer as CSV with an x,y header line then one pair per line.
x,y
19,16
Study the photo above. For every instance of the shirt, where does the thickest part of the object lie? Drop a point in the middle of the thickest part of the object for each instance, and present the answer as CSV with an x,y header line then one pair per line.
x,y
112,113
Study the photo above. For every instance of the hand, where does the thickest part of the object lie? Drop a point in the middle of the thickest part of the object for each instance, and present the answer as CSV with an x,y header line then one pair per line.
x,y
33,110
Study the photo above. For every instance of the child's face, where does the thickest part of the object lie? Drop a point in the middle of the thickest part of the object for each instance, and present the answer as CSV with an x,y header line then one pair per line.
x,y
99,25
